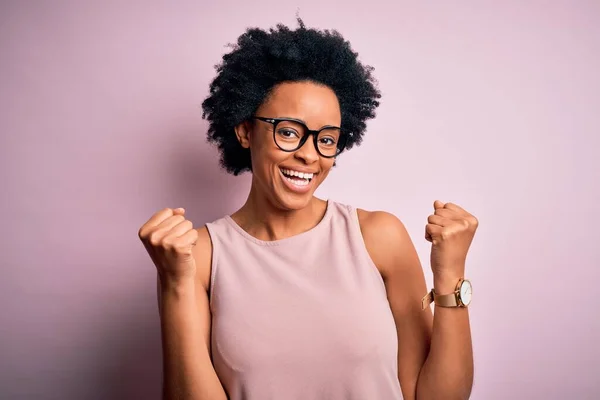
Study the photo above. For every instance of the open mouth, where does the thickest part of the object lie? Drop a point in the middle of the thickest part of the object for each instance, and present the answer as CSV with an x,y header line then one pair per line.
x,y
297,178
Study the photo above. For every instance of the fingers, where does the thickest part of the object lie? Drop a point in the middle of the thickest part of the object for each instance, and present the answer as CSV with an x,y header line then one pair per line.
x,y
178,230
450,208
183,244
156,219
190,238
449,214
169,223
439,220
444,217
454,207
454,212
432,231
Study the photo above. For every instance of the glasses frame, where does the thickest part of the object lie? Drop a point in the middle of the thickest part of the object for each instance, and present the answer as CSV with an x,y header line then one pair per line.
x,y
315,133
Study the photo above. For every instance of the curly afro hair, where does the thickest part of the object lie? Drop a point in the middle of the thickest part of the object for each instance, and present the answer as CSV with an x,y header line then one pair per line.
x,y
260,60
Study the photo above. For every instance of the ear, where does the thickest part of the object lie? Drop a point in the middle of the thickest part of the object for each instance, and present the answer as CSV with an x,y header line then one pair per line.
x,y
242,131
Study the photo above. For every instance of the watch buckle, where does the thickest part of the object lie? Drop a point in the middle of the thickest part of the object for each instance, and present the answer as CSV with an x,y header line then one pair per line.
x,y
427,300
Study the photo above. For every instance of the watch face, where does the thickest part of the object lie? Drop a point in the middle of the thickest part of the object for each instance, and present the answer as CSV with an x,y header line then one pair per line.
x,y
466,292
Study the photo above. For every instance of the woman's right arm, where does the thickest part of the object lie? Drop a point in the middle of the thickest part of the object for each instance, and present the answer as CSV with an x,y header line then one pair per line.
x,y
183,257
188,372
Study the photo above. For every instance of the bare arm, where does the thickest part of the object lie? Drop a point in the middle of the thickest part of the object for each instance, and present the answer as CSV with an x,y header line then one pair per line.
x,y
434,353
185,326
449,366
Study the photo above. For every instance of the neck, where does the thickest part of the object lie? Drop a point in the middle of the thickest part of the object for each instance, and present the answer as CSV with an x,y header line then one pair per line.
x,y
266,221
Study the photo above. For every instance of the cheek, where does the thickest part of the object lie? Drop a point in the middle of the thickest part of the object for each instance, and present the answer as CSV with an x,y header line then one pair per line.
x,y
326,166
265,156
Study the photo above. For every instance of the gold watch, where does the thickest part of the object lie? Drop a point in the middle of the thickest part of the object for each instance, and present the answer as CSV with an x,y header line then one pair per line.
x,y
461,297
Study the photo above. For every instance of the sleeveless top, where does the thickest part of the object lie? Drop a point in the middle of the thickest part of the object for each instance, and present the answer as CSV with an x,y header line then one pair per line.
x,y
301,318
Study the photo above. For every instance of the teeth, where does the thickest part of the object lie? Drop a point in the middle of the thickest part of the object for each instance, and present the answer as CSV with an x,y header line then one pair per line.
x,y
301,175
298,182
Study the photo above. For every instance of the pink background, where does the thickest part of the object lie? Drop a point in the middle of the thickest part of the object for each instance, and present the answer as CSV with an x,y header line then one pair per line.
x,y
492,105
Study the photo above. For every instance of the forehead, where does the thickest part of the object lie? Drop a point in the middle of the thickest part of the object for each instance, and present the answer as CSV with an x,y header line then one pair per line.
x,y
315,104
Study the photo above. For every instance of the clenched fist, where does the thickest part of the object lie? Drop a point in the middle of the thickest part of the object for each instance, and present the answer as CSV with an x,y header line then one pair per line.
x,y
169,238
450,230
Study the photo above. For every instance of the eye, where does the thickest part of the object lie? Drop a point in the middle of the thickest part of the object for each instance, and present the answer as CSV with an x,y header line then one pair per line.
x,y
327,141
287,133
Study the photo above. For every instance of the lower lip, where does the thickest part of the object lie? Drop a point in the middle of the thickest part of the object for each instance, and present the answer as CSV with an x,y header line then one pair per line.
x,y
296,188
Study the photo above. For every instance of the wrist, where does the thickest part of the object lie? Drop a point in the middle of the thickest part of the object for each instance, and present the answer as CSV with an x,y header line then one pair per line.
x,y
177,285
444,284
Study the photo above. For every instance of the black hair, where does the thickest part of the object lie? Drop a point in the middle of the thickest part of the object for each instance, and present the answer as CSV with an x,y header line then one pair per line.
x,y
260,60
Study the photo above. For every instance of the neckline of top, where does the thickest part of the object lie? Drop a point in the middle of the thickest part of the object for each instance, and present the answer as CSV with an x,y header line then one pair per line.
x,y
277,242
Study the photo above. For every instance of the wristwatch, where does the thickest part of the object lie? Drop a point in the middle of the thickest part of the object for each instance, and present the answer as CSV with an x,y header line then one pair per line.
x,y
461,297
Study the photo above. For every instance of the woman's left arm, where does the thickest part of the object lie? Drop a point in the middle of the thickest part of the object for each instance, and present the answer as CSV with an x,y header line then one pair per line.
x,y
435,355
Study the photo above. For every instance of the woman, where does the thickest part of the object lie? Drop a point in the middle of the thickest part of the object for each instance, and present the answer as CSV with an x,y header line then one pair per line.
x,y
292,296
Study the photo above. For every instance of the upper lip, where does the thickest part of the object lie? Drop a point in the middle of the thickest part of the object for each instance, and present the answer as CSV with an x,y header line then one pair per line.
x,y
300,170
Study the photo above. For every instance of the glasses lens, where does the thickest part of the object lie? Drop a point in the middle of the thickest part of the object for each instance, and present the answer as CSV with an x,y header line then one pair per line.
x,y
328,141
289,134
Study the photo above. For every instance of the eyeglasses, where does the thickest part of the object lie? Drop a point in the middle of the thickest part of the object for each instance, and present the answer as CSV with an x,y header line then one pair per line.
x,y
290,134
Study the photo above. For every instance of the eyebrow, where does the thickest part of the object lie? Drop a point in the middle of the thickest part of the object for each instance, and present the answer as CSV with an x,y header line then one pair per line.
x,y
304,122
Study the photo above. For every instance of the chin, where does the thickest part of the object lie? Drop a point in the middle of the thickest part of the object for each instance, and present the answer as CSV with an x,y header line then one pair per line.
x,y
290,202
290,196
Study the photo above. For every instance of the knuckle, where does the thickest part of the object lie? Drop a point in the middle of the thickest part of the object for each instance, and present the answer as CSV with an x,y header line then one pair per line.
x,y
181,247
178,218
168,244
163,214
155,239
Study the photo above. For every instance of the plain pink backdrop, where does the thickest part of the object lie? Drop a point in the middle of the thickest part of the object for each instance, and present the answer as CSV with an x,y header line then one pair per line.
x,y
492,105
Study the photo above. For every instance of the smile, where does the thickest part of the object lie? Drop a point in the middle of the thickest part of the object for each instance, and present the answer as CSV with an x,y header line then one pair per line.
x,y
298,178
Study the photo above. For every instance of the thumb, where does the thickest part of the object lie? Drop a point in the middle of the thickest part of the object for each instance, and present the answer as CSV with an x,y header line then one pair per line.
x,y
438,204
179,210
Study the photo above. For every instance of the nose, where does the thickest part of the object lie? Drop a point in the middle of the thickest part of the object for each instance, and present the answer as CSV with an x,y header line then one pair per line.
x,y
307,153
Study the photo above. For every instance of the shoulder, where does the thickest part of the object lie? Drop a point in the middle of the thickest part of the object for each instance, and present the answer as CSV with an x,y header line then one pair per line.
x,y
387,240
382,224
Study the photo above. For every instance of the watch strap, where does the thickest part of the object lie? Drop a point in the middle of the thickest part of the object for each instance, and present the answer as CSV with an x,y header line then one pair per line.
x,y
427,300
442,300
445,300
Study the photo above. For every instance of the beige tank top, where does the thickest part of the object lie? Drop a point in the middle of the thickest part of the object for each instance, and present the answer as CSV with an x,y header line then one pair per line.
x,y
304,317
